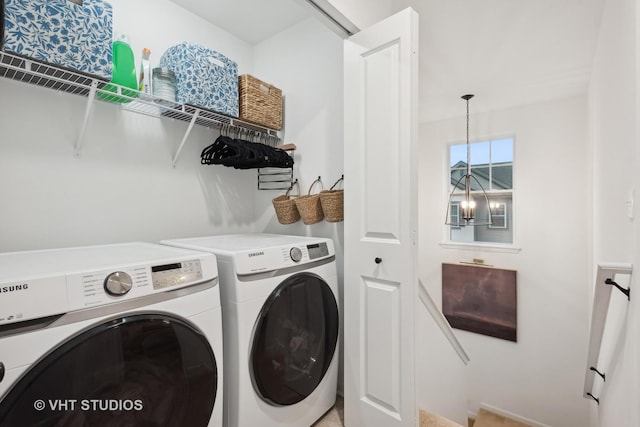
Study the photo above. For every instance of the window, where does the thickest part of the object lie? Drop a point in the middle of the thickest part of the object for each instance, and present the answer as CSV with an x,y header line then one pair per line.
x,y
498,215
455,214
491,164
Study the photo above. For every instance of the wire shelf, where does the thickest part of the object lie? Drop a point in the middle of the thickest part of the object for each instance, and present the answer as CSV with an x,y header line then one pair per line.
x,y
54,77
28,71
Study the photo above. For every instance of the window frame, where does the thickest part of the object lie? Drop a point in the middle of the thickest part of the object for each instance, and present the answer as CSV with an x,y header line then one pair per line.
x,y
491,193
504,216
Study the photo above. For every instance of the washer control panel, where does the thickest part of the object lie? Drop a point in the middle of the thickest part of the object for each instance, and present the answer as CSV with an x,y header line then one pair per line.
x,y
175,274
38,284
305,253
95,288
284,256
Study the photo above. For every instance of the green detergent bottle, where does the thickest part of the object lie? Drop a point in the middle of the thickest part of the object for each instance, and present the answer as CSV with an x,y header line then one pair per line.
x,y
124,73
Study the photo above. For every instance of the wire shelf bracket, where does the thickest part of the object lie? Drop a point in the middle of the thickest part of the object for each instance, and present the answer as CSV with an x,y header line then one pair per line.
x,y
87,114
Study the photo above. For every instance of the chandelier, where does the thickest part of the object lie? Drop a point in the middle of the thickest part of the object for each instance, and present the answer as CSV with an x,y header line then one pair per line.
x,y
472,200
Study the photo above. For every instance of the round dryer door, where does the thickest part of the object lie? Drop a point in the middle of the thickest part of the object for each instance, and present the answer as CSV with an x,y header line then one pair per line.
x,y
294,339
138,370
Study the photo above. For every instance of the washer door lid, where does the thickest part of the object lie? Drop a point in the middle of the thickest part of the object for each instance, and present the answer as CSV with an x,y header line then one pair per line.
x,y
144,369
294,340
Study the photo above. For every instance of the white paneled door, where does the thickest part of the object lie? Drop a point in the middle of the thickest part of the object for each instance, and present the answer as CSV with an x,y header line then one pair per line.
x,y
380,279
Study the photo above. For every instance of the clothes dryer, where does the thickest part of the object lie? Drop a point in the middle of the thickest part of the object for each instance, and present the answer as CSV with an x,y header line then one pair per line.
x,y
118,335
281,325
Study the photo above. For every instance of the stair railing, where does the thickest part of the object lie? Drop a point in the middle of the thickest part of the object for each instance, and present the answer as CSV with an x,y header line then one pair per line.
x,y
605,281
441,321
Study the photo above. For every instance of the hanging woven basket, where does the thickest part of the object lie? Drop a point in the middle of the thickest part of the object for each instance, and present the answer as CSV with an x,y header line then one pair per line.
x,y
309,206
332,202
285,206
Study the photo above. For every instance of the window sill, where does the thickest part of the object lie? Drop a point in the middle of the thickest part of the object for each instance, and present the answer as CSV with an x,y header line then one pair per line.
x,y
486,247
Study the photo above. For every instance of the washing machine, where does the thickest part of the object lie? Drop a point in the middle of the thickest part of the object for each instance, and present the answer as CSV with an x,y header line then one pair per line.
x,y
280,324
116,335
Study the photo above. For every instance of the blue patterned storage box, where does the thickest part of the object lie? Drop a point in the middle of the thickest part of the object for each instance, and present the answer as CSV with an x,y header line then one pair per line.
x,y
204,77
61,32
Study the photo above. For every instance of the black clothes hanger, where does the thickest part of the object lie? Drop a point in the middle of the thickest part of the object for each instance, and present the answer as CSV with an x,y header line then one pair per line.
x,y
242,154
223,151
270,156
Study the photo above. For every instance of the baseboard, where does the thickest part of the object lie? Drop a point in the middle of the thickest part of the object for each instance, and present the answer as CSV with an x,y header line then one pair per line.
x,y
472,415
507,414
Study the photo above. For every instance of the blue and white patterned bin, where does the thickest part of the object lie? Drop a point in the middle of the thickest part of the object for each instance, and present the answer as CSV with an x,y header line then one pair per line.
x,y
61,32
204,77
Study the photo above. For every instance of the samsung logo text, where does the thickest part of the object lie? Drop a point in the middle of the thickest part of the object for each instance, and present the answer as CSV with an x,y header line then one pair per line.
x,y
13,288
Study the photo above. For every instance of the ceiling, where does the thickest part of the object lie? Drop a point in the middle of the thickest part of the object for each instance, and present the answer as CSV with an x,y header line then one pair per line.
x,y
259,20
506,52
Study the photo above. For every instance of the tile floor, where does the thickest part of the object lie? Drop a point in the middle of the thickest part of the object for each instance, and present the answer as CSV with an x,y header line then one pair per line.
x,y
335,416
490,419
428,419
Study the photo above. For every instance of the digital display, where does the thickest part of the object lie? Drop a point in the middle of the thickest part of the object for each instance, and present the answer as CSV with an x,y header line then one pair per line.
x,y
317,250
174,266
176,274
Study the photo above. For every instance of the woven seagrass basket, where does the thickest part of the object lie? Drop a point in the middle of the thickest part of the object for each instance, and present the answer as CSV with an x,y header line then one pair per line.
x,y
285,206
260,102
309,206
332,202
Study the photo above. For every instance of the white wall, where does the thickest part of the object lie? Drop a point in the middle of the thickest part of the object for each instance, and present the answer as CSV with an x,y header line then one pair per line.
x,y
305,61
123,187
442,384
541,376
158,24
615,161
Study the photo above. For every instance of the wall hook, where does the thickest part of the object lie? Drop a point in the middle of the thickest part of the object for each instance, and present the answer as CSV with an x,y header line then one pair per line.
x,y
294,182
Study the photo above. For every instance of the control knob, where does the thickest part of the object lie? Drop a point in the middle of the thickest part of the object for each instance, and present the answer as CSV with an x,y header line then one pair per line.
x,y
118,283
295,254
